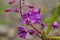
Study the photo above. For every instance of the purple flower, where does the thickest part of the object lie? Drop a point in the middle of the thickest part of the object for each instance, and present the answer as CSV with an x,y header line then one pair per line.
x,y
38,16
38,21
31,17
43,25
31,32
55,25
37,10
22,32
25,15
23,21
30,6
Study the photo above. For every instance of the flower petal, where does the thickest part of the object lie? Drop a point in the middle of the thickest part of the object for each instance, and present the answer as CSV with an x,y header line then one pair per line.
x,y
12,1
31,32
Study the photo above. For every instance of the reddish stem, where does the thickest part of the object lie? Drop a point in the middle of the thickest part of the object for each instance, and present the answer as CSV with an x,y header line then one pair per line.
x,y
20,9
35,29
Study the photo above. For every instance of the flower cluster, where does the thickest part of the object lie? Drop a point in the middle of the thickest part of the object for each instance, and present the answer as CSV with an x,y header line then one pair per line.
x,y
31,16
22,32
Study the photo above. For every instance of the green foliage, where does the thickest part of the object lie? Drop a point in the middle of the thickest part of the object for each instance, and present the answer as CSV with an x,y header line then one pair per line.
x,y
53,38
46,20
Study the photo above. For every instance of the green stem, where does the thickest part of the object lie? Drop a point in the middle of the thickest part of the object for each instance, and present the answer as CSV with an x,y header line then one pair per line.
x,y
53,38
53,18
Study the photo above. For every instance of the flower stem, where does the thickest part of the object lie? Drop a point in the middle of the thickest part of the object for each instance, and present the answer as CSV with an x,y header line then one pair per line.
x,y
53,38
39,32
20,9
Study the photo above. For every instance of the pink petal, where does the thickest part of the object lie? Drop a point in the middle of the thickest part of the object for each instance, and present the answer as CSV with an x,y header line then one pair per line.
x,y
38,21
23,21
38,16
7,10
33,20
16,9
12,1
37,10
31,8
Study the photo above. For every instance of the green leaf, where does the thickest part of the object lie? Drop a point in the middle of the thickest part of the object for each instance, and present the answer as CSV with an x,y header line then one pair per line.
x,y
46,20
52,19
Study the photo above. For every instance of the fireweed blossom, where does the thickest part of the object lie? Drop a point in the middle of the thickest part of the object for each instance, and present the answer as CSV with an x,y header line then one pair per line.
x,y
31,31
32,16
43,25
22,32
55,25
